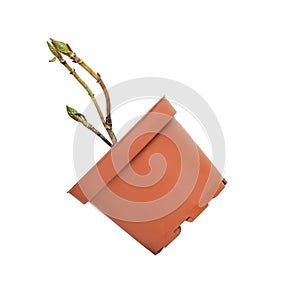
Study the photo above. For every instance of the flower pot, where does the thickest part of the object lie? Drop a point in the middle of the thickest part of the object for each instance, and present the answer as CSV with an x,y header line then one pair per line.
x,y
152,180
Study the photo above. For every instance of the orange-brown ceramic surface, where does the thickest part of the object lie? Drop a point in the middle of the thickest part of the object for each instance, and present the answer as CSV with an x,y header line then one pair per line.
x,y
152,180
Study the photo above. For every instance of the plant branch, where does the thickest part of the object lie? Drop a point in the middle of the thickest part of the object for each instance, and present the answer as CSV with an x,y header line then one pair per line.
x,y
56,50
66,50
81,118
99,80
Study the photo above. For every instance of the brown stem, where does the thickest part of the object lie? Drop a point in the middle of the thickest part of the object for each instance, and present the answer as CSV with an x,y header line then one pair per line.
x,y
98,78
92,96
87,88
99,134
81,118
58,48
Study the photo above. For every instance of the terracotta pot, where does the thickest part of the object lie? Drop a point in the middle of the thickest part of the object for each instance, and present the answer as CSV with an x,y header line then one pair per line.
x,y
152,180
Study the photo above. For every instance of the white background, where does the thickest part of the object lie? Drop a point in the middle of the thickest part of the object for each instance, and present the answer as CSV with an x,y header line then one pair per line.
x,y
242,57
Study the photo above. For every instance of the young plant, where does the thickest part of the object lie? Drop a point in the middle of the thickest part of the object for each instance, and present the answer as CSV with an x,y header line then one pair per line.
x,y
58,49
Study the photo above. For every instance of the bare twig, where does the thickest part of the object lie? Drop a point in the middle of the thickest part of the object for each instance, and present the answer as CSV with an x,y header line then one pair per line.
x,y
81,118
65,49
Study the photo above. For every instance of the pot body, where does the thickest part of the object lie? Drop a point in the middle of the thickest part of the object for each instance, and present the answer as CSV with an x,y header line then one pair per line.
x,y
152,180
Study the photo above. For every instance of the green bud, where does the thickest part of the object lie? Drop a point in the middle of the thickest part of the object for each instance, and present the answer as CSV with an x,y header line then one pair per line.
x,y
53,50
61,47
73,113
77,116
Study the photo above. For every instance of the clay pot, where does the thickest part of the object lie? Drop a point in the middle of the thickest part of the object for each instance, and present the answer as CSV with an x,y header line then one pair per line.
x,y
152,180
